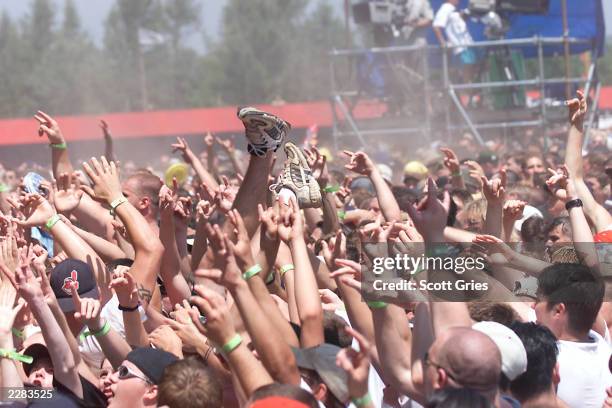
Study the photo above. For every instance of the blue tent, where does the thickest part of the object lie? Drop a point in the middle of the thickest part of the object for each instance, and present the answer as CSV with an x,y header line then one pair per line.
x,y
585,20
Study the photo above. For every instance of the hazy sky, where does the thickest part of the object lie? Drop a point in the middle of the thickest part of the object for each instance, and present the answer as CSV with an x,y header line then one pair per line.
x,y
94,12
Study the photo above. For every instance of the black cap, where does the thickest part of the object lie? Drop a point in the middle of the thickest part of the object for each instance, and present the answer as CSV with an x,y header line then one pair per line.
x,y
67,272
152,362
36,351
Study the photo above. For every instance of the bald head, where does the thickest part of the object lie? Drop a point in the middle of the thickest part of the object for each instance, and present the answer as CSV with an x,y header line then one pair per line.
x,y
471,358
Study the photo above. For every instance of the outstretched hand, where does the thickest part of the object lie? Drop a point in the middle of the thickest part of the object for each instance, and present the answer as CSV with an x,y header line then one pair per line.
x,y
577,109
359,163
36,211
49,127
105,179
211,315
429,217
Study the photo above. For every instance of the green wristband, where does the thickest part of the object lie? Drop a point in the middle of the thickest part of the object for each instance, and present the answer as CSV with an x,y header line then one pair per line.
x,y
363,401
252,271
232,344
13,355
18,333
102,332
286,268
52,221
331,189
59,146
377,304
4,188
270,278
457,174
342,214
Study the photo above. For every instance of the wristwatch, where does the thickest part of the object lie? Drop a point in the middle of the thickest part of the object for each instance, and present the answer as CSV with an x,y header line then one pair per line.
x,y
576,202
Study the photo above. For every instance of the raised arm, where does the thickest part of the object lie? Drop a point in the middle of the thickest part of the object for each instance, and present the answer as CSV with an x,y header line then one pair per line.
x,y
362,164
191,158
124,285
290,230
60,160
230,150
573,159
174,281
219,328
148,248
64,366
237,268
8,370
39,212
108,141
494,191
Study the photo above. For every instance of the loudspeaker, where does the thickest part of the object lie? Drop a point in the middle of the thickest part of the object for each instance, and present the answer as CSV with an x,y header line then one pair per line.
x,y
374,12
523,6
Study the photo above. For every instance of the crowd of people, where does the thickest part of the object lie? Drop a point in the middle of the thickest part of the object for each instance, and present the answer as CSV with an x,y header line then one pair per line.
x,y
121,287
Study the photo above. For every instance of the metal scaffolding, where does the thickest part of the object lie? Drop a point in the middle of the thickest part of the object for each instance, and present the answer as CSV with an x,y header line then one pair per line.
x,y
427,74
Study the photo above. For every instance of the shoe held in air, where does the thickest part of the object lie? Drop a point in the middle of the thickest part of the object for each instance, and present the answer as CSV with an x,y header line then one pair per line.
x,y
297,177
264,131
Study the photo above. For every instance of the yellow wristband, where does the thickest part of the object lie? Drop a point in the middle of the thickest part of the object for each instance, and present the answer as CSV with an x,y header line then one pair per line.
x,y
116,203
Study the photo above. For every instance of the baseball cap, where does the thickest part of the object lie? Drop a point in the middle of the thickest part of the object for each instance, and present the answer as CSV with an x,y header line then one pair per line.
x,y
68,272
322,359
487,156
528,212
152,362
415,169
386,172
34,346
513,353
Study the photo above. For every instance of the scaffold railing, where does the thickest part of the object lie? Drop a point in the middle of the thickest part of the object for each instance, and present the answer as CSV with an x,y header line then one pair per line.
x,y
421,89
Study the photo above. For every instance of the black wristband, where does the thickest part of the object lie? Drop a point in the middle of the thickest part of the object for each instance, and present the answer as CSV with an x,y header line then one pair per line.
x,y
129,309
573,203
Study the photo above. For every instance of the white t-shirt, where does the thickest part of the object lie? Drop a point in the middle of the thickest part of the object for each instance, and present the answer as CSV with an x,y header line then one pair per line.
x,y
584,371
454,27
89,347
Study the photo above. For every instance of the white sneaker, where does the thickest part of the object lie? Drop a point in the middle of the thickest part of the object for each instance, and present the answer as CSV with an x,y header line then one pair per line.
x,y
263,130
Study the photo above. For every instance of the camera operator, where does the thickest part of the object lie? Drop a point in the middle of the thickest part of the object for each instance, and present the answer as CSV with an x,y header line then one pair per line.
x,y
418,16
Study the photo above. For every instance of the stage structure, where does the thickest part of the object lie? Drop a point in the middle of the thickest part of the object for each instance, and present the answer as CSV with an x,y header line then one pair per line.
x,y
423,93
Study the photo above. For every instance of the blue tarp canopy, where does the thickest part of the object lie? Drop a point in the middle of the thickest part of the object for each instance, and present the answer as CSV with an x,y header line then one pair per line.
x,y
585,21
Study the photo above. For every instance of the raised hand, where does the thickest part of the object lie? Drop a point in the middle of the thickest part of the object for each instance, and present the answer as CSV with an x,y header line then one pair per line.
x,y
204,210
209,139
227,144
223,197
67,193
125,288
36,211
86,310
226,271
330,301
494,190
497,251
49,127
240,246
577,109
359,163
27,285
317,163
163,337
105,129
167,199
561,184
8,313
269,221
212,315
356,364
451,161
475,170
513,210
182,147
290,222
184,327
105,179
429,217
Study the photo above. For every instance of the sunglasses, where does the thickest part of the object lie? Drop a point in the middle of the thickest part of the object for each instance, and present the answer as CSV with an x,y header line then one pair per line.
x,y
125,373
